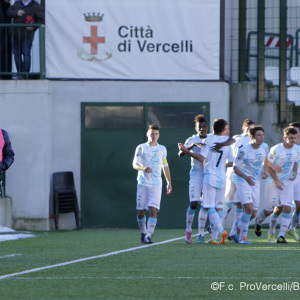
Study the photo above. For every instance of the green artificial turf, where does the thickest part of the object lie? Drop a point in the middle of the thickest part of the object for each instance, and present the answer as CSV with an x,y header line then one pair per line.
x,y
172,270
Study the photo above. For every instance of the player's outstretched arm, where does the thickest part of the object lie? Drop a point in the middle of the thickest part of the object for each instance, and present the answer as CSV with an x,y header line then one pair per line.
x,y
218,146
181,153
191,154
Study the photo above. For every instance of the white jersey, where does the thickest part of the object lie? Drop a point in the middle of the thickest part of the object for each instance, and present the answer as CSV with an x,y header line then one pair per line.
x,y
240,140
215,162
298,173
196,165
285,158
250,161
154,157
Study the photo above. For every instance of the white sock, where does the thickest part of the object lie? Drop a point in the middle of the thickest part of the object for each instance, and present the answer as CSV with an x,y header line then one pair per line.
x,y
295,221
226,208
215,220
190,214
142,224
261,217
151,226
214,235
237,217
284,223
273,223
202,216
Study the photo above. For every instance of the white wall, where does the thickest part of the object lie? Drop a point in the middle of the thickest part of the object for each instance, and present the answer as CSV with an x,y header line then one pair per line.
x,y
43,119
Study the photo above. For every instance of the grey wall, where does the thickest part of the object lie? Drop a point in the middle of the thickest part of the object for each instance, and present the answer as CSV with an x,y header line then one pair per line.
x,y
43,119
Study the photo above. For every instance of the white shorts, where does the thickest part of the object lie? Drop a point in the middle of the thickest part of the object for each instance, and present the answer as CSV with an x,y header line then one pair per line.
x,y
212,197
248,194
296,190
276,197
195,188
148,196
230,193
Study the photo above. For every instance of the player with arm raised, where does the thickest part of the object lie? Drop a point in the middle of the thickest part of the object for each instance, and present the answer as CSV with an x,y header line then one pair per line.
x,y
196,172
150,159
214,166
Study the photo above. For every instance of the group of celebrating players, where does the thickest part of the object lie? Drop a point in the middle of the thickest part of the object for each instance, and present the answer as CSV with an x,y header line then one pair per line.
x,y
225,171
252,161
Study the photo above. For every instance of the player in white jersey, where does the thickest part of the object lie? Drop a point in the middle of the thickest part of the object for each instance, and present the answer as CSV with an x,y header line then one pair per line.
x,y
150,159
279,186
231,196
214,166
196,173
250,166
295,217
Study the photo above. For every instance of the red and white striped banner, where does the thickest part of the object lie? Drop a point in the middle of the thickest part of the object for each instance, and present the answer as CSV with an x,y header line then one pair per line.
x,y
274,42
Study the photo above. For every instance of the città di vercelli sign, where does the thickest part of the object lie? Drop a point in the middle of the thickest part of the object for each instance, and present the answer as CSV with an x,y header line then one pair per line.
x,y
133,40
141,38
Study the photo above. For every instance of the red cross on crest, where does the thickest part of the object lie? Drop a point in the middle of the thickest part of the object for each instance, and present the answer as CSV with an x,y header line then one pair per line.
x,y
94,40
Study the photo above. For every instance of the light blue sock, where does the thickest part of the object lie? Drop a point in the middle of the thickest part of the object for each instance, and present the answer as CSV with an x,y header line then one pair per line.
x,y
190,214
244,225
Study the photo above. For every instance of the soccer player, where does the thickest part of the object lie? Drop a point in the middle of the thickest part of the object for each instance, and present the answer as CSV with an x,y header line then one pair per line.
x,y
250,166
149,159
196,172
279,186
214,169
295,217
231,196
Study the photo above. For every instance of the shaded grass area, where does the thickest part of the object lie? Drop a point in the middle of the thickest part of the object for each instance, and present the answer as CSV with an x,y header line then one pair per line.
x,y
172,270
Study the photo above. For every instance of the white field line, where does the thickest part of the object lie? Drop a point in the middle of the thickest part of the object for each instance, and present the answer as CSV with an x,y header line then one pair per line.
x,y
89,258
10,255
158,277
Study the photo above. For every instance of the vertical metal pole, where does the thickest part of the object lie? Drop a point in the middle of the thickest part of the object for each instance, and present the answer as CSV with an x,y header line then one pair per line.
x,y
42,52
242,40
222,40
260,50
282,61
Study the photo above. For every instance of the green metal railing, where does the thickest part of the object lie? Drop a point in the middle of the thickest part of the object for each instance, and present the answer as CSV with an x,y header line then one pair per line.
x,y
6,30
297,50
290,48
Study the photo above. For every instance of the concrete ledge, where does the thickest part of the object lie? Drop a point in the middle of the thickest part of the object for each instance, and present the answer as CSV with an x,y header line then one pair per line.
x,y
6,212
30,224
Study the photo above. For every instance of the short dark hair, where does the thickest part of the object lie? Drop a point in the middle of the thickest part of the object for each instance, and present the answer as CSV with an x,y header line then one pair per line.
x,y
253,130
295,124
219,125
200,119
248,122
289,130
153,127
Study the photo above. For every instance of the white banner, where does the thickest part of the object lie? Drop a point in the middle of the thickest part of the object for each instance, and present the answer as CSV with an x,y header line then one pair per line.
x,y
133,39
